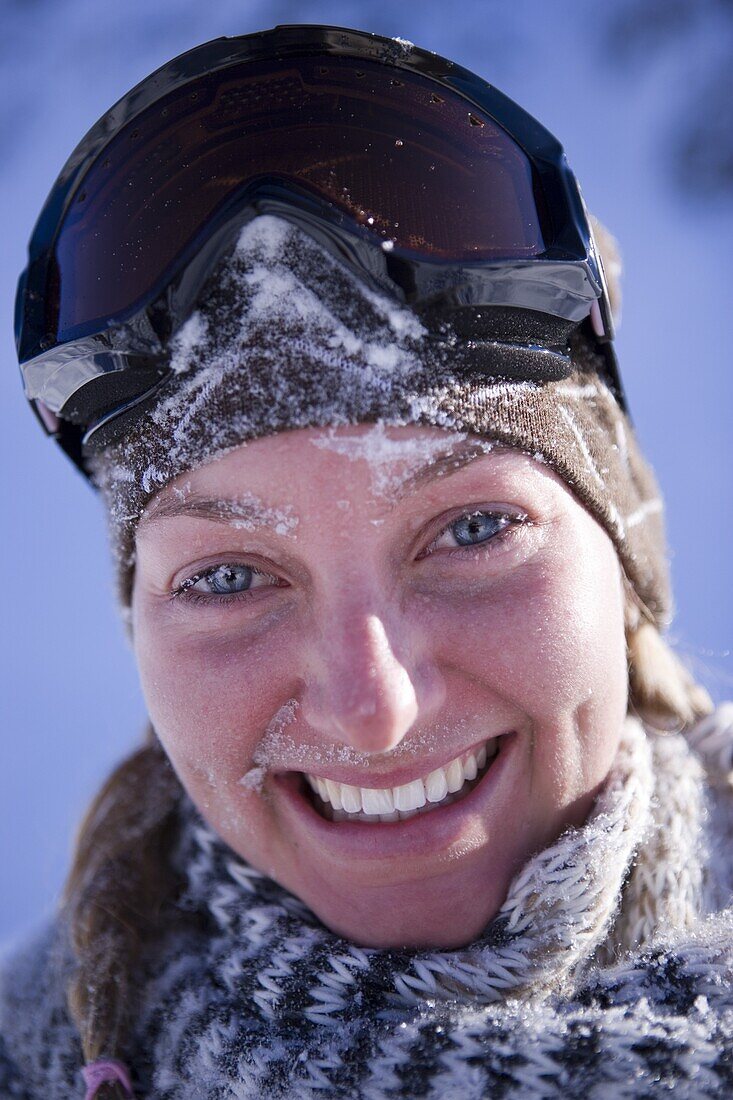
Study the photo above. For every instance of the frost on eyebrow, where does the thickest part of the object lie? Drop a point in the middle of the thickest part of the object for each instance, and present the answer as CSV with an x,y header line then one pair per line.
x,y
248,513
392,461
245,512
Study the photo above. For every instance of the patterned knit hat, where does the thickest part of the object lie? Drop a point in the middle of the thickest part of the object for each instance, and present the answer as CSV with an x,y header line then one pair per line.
x,y
286,337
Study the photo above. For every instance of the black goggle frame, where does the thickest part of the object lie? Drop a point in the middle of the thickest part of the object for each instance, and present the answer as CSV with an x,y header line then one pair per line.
x,y
82,381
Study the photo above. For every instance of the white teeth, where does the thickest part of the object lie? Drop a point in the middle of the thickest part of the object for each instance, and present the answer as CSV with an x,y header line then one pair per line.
x,y
351,798
410,796
333,794
395,803
436,786
469,768
454,775
377,801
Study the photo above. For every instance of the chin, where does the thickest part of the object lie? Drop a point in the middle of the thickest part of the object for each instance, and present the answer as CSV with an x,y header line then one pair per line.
x,y
423,915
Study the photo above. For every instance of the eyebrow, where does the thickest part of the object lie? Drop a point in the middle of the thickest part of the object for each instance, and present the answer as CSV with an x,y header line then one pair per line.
x,y
225,510
445,465
218,510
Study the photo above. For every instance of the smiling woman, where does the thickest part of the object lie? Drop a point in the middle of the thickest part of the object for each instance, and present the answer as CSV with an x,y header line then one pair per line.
x,y
427,806
475,622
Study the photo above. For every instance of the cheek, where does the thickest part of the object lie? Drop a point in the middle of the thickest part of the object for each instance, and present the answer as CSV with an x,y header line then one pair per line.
x,y
546,647
211,698
549,637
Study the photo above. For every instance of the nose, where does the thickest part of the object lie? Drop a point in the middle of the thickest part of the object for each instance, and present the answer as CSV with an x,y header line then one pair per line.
x,y
360,692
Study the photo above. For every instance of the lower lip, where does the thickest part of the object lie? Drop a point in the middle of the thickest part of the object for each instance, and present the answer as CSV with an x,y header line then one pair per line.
x,y
418,836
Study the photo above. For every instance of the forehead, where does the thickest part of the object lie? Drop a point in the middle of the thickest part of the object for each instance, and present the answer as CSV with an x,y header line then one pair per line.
x,y
389,461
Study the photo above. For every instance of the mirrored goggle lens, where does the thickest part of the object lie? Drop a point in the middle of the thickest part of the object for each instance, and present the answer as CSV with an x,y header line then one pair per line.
x,y
391,152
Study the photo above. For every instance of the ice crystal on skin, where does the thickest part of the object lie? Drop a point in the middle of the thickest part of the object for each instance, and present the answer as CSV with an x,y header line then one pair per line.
x,y
284,716
254,778
277,747
383,452
248,513
282,520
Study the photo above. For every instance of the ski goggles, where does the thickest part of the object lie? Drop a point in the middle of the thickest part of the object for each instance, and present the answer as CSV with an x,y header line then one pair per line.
x,y
430,183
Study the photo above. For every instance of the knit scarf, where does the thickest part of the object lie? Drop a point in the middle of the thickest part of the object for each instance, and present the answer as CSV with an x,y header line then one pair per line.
x,y
607,970
607,973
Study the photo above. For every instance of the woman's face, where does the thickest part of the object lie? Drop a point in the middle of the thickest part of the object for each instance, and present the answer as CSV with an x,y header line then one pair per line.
x,y
372,607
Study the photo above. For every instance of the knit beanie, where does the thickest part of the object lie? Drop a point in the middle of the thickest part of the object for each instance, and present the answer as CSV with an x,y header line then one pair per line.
x,y
287,336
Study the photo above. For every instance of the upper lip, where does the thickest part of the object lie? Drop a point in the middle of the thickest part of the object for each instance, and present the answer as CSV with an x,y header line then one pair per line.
x,y
395,777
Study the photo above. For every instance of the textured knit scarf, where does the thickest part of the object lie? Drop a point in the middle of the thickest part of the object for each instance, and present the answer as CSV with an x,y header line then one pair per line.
x,y
555,997
607,972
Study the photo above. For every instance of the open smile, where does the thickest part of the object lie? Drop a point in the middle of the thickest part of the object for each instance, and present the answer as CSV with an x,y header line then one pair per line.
x,y
343,802
424,828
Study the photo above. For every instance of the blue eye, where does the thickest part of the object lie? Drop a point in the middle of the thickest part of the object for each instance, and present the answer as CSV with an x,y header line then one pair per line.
x,y
226,583
478,527
226,579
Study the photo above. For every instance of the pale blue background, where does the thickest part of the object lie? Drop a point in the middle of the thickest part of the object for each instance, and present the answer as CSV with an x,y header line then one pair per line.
x,y
71,700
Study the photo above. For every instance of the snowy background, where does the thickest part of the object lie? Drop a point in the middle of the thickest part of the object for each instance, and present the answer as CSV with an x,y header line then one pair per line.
x,y
640,95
